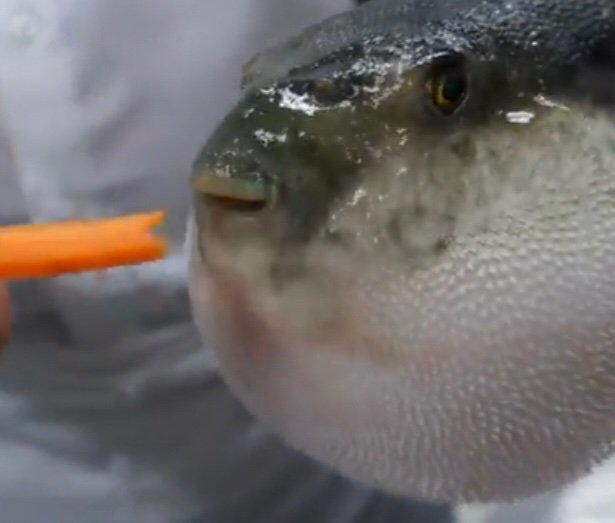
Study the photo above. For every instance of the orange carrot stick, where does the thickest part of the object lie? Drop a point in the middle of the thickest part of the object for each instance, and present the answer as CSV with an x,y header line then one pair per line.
x,y
47,250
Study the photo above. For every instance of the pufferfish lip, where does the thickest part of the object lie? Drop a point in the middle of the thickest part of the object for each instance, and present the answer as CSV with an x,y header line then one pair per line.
x,y
207,182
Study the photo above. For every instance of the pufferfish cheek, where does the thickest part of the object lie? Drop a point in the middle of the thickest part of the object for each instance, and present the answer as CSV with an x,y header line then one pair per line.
x,y
225,311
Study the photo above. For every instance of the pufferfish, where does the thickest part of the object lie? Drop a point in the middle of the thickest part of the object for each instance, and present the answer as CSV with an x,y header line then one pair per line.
x,y
403,244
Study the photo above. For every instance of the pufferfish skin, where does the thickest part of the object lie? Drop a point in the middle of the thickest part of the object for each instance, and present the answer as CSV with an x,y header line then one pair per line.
x,y
403,244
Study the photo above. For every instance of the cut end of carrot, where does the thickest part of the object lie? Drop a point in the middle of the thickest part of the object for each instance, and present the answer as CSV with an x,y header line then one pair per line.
x,y
54,249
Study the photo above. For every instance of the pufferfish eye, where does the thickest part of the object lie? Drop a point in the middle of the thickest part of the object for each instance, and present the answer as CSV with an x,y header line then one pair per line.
x,y
448,87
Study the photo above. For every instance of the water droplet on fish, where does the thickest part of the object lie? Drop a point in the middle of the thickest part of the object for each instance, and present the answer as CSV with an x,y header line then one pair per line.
x,y
358,195
520,117
248,112
268,138
545,102
297,102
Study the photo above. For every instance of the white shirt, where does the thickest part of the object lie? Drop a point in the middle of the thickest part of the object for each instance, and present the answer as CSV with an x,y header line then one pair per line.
x,y
111,410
